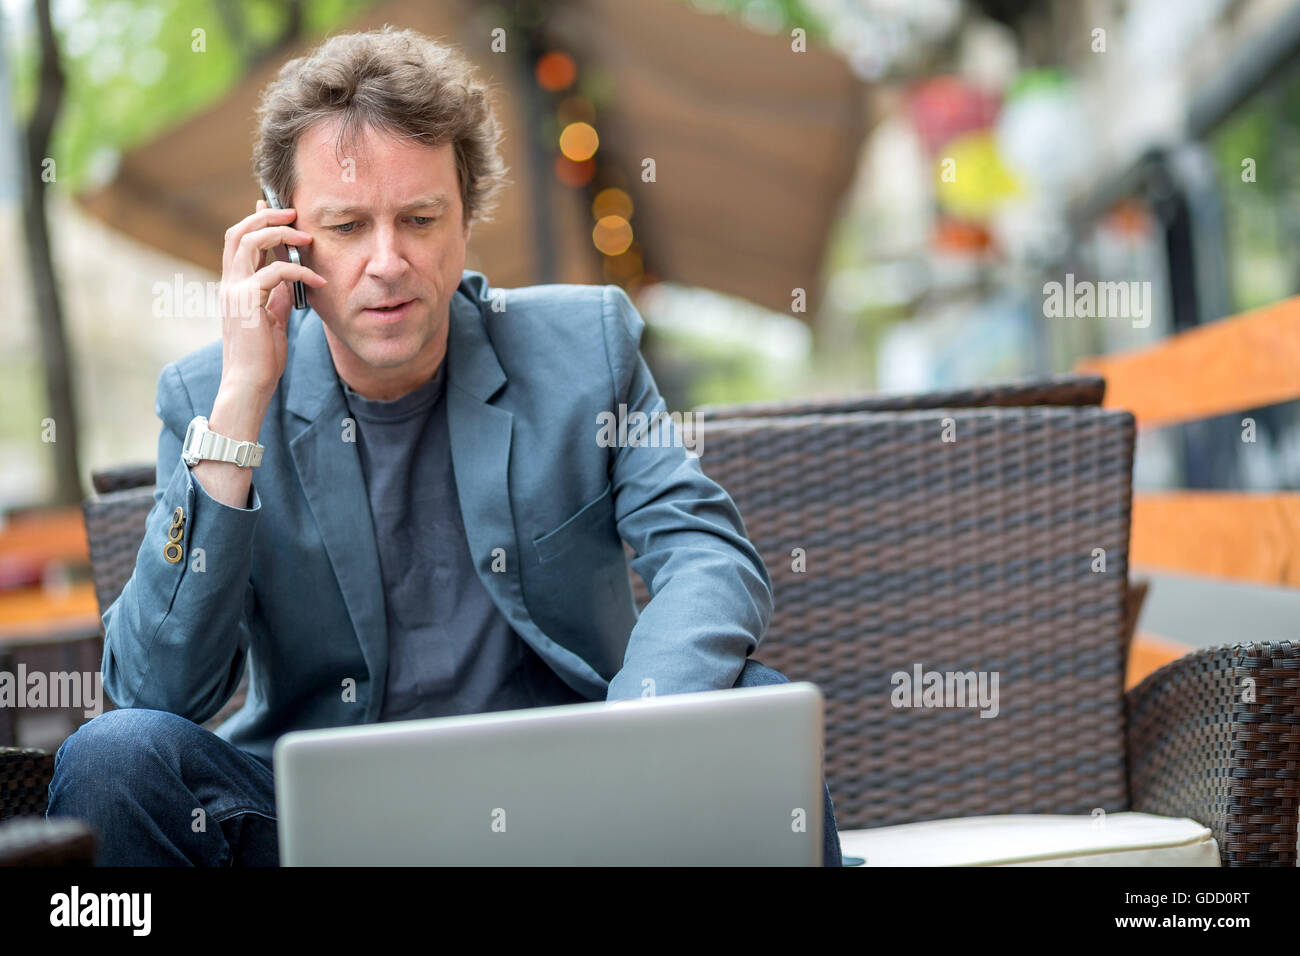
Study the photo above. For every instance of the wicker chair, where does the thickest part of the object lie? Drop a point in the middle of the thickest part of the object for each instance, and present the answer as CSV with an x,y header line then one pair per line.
x,y
978,554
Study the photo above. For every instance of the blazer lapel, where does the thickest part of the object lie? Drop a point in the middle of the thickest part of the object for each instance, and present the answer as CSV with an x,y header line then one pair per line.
x,y
480,436
329,469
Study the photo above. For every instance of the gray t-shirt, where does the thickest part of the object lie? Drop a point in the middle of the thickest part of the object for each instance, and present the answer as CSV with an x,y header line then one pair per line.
x,y
450,650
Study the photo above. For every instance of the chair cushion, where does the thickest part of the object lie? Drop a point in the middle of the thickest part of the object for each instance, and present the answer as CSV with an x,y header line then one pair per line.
x,y
1031,839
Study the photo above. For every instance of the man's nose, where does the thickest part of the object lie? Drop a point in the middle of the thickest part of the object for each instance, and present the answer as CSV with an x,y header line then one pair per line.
x,y
386,259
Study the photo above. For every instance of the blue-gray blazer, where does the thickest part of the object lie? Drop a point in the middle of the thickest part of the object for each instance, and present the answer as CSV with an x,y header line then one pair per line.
x,y
290,586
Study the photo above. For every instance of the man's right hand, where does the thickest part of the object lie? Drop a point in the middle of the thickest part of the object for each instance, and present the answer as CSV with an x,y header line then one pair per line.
x,y
255,300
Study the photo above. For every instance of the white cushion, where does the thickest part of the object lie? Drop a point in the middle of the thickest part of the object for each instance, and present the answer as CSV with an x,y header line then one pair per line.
x,y
1030,839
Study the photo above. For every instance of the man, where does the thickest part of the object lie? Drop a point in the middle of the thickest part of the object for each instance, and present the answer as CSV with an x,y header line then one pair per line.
x,y
434,527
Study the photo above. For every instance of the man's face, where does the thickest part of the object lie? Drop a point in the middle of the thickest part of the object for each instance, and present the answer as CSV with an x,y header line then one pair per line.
x,y
387,227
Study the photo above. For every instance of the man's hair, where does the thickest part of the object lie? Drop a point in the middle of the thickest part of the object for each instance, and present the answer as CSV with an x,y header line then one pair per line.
x,y
397,81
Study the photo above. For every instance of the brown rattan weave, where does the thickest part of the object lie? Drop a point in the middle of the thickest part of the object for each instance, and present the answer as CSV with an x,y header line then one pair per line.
x,y
115,524
1077,390
123,477
975,554
24,781
1215,736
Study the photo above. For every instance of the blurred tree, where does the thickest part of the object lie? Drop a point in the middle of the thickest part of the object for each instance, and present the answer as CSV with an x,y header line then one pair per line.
x,y
38,170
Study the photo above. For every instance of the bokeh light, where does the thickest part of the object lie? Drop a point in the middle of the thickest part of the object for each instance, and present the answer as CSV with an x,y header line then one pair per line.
x,y
611,202
578,141
555,71
612,235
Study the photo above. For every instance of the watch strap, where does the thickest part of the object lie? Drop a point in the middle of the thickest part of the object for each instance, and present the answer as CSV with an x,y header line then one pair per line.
x,y
215,447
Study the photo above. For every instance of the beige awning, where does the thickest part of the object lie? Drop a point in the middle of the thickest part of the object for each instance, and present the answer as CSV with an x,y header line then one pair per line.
x,y
754,145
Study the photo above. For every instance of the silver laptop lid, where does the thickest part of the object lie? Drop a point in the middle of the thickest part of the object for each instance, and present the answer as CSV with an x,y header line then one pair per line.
x,y
730,777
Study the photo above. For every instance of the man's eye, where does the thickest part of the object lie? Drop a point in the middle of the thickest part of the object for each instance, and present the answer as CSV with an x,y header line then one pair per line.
x,y
424,220
343,229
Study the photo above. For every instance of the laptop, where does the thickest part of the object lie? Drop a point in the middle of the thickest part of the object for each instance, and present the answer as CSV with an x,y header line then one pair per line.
x,y
717,778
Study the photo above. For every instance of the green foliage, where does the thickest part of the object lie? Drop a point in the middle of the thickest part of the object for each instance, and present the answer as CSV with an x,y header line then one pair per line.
x,y
132,70
1262,213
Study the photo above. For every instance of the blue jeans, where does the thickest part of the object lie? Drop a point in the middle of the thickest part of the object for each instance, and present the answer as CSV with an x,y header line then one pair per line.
x,y
163,791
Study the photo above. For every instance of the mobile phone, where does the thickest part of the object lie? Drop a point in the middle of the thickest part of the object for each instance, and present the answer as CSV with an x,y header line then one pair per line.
x,y
299,290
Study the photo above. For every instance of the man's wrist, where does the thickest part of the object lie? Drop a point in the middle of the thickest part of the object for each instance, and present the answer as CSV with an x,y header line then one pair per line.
x,y
238,414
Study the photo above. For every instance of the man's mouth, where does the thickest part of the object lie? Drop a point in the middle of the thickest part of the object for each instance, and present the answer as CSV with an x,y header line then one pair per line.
x,y
390,310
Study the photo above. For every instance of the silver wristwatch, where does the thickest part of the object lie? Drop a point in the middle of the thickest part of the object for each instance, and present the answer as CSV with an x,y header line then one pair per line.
x,y
203,444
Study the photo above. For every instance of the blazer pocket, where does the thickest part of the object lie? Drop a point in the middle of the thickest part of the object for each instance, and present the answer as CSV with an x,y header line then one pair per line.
x,y
589,518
